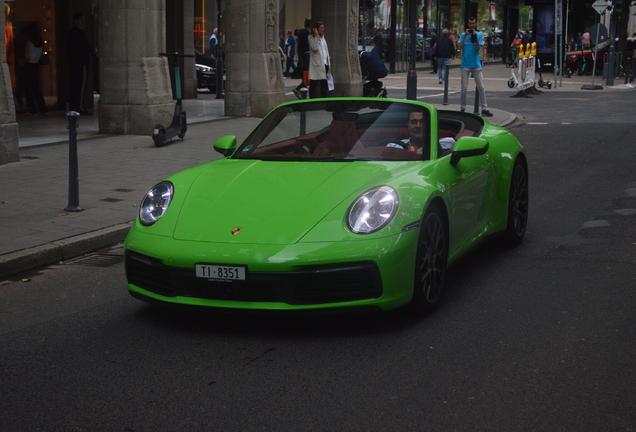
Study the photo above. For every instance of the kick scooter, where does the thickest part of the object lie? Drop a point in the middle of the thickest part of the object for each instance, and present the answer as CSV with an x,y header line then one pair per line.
x,y
178,127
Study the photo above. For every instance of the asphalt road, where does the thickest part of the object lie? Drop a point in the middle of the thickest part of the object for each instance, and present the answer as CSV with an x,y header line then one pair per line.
x,y
541,337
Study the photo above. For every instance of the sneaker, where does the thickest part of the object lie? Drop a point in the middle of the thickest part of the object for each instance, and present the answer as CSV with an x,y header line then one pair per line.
x,y
297,93
486,113
462,109
440,81
630,85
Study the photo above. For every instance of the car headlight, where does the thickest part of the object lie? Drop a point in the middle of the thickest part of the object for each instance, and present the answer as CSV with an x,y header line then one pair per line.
x,y
373,210
204,68
155,203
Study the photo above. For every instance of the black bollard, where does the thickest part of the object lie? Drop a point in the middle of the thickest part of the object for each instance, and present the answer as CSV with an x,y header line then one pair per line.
x,y
411,85
445,74
73,171
476,101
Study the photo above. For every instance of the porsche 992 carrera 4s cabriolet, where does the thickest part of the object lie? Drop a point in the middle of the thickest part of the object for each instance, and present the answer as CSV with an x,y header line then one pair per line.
x,y
343,204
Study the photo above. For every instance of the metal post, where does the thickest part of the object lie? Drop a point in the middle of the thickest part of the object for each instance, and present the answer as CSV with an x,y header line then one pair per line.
x,y
411,78
476,101
220,67
611,72
445,74
73,171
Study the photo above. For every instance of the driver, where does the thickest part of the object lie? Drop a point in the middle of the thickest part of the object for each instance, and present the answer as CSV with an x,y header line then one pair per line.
x,y
416,143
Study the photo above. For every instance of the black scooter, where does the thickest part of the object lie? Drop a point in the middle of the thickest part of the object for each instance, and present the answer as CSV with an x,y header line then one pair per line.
x,y
179,126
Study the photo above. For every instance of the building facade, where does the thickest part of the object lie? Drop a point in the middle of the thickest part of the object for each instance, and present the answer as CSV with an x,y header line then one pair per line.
x,y
133,82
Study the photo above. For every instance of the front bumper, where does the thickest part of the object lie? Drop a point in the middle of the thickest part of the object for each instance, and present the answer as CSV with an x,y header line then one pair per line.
x,y
302,276
206,79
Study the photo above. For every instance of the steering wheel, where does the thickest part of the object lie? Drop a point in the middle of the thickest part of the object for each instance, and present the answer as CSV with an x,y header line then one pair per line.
x,y
384,142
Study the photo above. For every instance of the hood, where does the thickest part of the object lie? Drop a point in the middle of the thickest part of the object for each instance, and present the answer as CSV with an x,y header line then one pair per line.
x,y
271,202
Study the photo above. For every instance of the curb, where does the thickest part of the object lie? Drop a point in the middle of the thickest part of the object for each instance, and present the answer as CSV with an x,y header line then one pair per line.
x,y
61,250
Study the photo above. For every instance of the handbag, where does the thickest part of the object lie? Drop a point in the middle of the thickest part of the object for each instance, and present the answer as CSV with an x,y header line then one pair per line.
x,y
431,52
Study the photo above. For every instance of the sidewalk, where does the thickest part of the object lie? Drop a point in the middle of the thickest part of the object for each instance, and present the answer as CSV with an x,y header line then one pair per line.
x,y
116,171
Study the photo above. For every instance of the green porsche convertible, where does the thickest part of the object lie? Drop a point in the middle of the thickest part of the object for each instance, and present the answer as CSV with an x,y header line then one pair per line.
x,y
330,205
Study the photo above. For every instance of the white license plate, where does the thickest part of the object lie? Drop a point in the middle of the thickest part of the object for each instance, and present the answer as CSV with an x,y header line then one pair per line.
x,y
220,272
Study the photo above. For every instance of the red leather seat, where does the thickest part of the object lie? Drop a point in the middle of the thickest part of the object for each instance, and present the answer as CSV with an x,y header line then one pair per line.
x,y
340,139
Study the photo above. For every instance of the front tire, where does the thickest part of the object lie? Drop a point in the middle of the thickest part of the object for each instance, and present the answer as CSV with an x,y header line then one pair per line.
x,y
517,205
431,259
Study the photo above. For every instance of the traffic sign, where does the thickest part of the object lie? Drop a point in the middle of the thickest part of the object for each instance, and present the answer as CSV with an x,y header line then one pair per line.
x,y
600,6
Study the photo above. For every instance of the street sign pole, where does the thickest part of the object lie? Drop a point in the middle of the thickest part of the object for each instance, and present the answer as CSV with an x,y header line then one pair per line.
x,y
600,6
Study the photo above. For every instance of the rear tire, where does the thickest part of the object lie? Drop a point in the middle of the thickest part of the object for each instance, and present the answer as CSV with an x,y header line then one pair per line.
x,y
431,259
517,205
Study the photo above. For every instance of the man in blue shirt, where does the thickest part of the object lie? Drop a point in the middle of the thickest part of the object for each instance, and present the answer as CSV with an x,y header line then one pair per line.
x,y
470,42
290,53
213,41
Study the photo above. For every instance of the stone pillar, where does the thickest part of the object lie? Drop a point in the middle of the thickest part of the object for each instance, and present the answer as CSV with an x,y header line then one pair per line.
x,y
135,80
254,83
8,125
341,31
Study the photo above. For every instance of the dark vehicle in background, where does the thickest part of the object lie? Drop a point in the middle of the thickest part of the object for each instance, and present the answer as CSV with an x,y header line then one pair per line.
x,y
206,71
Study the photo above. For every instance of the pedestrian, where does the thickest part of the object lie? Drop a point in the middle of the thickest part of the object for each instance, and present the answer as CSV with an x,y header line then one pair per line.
x,y
214,40
319,63
578,41
32,54
301,89
78,53
585,39
471,42
453,38
290,53
445,51
431,51
8,40
496,45
378,43
516,43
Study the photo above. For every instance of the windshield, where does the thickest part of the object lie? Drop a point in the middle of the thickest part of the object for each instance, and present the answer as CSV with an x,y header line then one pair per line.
x,y
340,130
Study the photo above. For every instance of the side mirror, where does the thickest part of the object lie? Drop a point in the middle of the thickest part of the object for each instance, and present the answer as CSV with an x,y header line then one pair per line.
x,y
225,145
467,147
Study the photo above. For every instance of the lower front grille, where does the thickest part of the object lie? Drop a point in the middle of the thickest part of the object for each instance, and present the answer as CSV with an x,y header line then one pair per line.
x,y
311,285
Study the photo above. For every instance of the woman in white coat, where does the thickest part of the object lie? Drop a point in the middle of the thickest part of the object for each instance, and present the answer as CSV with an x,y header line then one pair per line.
x,y
319,62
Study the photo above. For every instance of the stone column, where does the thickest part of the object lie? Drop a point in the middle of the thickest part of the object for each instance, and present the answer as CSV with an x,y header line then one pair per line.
x,y
254,83
135,80
341,31
8,125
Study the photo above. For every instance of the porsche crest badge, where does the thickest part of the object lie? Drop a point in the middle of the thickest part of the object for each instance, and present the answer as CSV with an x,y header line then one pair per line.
x,y
236,230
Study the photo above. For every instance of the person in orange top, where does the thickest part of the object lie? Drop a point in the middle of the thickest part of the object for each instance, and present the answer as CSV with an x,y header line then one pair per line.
x,y
8,39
